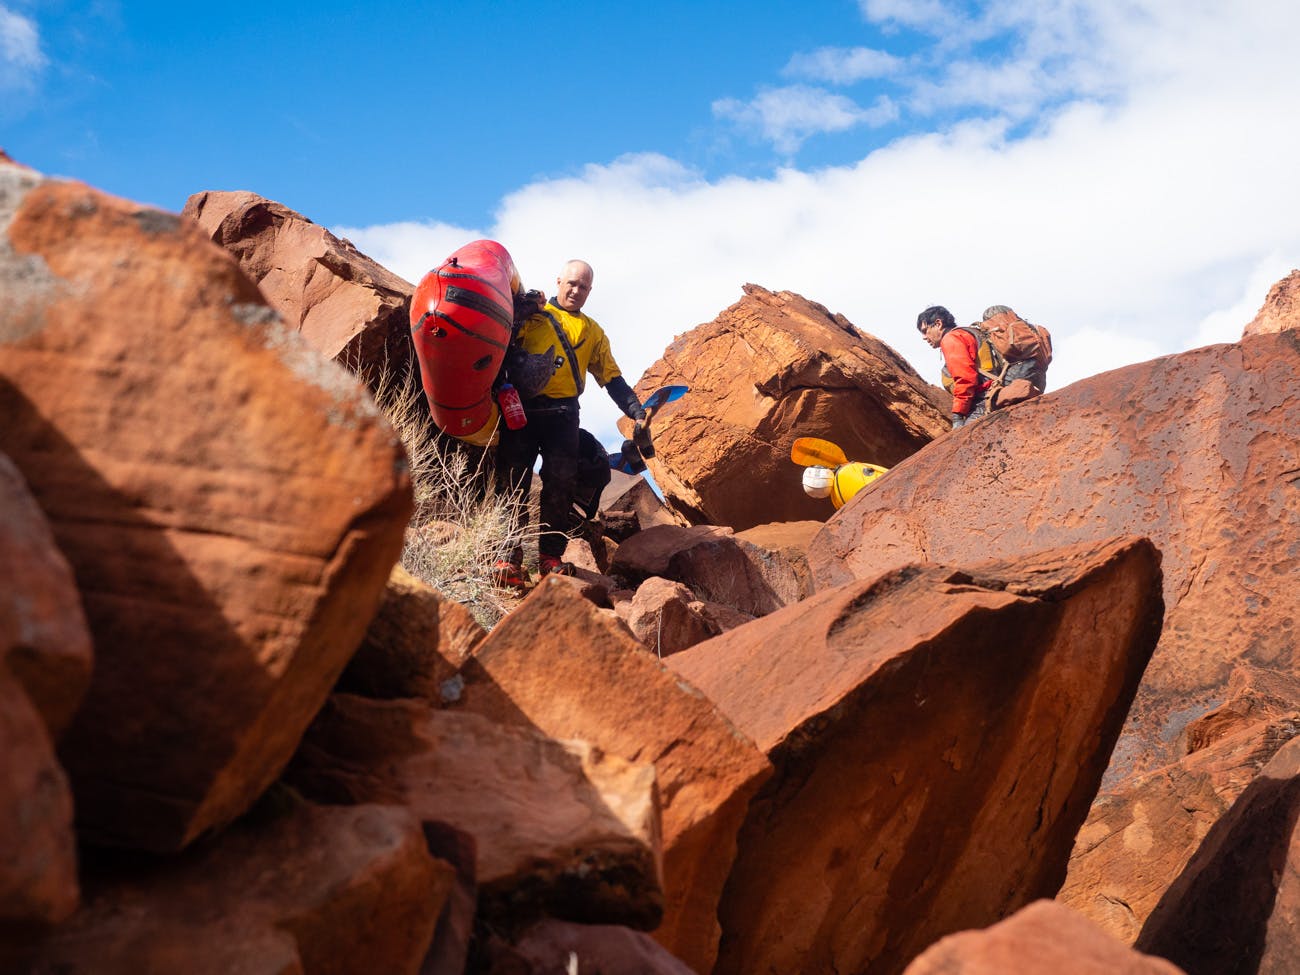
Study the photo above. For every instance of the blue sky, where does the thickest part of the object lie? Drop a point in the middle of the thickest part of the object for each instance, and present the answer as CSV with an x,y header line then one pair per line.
x,y
390,111
1122,171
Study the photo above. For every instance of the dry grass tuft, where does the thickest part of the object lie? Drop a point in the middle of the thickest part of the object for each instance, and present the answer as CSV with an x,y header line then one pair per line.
x,y
461,526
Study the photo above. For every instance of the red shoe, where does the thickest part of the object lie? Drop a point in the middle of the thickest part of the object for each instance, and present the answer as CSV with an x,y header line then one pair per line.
x,y
550,565
509,575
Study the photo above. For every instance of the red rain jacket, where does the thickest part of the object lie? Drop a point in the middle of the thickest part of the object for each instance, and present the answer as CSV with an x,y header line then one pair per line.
x,y
960,349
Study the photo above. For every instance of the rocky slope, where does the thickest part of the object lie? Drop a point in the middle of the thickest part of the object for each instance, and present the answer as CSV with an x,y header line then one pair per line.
x,y
1054,648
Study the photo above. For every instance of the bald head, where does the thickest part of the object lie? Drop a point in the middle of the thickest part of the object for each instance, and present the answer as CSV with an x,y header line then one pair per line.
x,y
573,285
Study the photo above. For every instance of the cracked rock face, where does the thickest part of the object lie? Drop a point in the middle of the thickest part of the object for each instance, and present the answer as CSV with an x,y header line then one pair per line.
x,y
773,367
560,666
937,736
1281,310
1197,452
230,503
345,305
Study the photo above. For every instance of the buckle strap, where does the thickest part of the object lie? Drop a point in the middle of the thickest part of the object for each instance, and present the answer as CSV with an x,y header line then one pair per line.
x,y
568,352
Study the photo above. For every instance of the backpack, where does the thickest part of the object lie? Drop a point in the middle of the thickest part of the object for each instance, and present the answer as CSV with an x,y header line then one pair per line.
x,y
989,362
1015,340
1003,340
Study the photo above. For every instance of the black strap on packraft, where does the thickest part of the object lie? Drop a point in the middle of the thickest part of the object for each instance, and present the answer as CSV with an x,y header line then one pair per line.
x,y
568,352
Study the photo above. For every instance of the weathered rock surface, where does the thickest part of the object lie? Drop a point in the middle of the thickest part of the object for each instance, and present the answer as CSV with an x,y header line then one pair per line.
x,y
591,586
1198,452
560,828
561,666
715,564
346,306
43,637
455,931
1045,938
632,494
418,639
937,735
1136,841
308,889
230,502
38,859
773,367
1281,309
786,542
662,616
650,552
1234,908
45,661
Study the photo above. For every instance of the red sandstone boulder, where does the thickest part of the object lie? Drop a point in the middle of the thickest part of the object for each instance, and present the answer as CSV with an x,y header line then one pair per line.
x,y
230,503
308,889
786,542
45,660
591,586
720,618
38,858
43,637
559,665
937,737
662,615
1281,309
559,828
1045,938
1195,450
346,306
1138,839
773,367
715,564
650,552
632,494
1234,908
418,639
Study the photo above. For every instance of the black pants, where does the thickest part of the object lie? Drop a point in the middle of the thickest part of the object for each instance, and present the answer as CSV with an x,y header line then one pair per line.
x,y
552,432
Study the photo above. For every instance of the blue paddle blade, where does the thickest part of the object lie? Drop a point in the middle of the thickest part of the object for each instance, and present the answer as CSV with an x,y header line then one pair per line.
x,y
664,394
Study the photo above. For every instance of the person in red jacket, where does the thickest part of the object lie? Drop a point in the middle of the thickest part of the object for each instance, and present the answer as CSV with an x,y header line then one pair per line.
x,y
961,366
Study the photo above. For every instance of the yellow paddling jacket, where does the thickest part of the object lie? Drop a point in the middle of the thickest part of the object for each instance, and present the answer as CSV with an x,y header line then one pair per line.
x,y
579,344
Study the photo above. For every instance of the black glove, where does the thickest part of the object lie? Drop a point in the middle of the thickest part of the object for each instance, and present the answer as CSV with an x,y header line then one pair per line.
x,y
641,437
527,304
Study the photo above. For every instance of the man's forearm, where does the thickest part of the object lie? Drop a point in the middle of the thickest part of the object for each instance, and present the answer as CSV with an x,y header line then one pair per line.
x,y
621,393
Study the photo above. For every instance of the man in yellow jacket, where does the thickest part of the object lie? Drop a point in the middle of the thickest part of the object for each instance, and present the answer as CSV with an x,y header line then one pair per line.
x,y
580,346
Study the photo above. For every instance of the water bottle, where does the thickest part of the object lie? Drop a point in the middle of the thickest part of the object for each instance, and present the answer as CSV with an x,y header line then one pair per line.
x,y
511,408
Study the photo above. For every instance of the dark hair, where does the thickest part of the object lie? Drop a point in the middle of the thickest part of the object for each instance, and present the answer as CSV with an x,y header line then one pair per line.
x,y
936,313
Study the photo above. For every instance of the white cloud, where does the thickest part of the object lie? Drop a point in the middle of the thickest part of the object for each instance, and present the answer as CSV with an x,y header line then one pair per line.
x,y
1041,51
1089,351
1226,324
409,249
925,14
788,116
21,57
842,65
1014,89
1138,227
